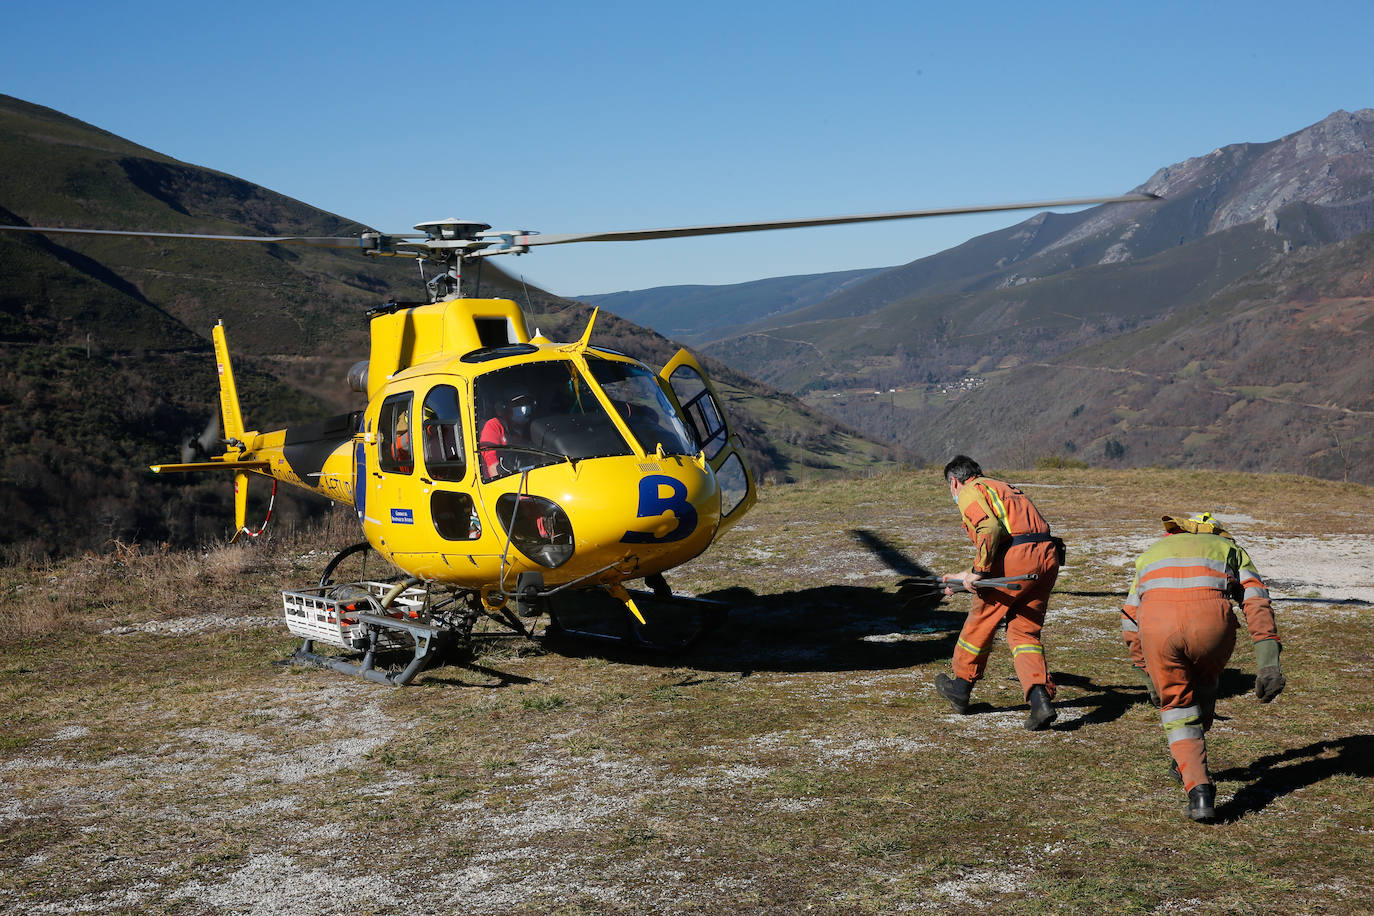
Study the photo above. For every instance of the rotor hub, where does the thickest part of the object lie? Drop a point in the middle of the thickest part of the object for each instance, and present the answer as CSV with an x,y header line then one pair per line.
x,y
452,229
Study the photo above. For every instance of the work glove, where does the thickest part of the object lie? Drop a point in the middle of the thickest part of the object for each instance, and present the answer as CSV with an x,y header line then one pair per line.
x,y
1269,683
1269,680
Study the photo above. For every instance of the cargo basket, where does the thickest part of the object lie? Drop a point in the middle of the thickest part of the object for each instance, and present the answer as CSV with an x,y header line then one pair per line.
x,y
331,613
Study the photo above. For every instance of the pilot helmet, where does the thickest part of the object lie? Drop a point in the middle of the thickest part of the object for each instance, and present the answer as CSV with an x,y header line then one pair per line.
x,y
521,409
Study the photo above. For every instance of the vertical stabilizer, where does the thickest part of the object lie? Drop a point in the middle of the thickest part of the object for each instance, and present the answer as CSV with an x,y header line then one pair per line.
x,y
228,393
240,505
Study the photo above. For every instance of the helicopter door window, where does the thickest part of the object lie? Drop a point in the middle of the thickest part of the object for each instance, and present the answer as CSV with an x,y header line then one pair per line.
x,y
395,447
441,429
454,516
708,422
734,485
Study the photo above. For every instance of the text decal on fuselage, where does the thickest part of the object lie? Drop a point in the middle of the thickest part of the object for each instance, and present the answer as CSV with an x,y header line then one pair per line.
x,y
653,503
359,480
402,517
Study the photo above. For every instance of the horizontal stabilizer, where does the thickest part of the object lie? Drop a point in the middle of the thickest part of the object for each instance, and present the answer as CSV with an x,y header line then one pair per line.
x,y
212,466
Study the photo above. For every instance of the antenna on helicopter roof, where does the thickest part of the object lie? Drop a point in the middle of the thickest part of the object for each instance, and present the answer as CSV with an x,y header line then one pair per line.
x,y
525,286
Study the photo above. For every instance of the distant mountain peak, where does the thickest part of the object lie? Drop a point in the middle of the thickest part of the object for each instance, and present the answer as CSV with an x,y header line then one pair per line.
x,y
1343,127
1329,164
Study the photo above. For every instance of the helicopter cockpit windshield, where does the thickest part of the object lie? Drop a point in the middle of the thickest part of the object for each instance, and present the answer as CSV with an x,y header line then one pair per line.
x,y
642,404
537,414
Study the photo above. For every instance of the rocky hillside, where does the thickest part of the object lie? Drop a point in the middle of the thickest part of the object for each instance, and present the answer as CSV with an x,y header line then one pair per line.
x,y
1221,216
948,338
1271,374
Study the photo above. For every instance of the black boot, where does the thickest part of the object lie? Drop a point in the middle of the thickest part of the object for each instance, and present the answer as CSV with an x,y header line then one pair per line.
x,y
1042,711
956,690
1173,771
1202,803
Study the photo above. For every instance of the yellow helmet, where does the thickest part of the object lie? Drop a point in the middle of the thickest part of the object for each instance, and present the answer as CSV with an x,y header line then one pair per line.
x,y
1202,523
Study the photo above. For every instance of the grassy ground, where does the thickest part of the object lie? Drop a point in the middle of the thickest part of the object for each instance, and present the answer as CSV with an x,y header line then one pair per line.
x,y
154,758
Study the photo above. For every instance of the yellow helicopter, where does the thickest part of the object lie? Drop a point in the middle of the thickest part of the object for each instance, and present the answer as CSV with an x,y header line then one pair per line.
x,y
494,467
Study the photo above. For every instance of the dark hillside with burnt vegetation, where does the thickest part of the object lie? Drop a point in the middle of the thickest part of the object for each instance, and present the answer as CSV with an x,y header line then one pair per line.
x,y
104,342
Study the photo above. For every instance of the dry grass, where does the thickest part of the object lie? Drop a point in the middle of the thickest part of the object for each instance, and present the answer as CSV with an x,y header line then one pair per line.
x,y
798,761
131,584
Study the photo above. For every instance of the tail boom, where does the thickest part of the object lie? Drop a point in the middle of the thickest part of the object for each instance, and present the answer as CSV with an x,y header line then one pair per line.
x,y
228,391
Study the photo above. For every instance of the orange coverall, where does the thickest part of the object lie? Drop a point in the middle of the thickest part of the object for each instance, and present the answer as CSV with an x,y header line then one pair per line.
x,y
1012,539
1179,627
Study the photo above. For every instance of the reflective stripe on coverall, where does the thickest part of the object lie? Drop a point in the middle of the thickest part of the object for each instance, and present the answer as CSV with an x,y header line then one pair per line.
x,y
1179,627
1012,539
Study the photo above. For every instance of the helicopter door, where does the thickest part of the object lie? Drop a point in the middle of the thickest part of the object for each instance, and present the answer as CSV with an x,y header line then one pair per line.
x,y
449,508
702,410
421,494
392,495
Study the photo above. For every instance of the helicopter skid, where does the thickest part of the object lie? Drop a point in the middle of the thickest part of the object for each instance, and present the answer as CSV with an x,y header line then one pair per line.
x,y
426,637
369,617
374,617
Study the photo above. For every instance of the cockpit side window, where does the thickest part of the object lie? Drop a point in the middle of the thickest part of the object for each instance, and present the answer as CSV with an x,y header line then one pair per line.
x,y
643,406
537,414
395,448
441,431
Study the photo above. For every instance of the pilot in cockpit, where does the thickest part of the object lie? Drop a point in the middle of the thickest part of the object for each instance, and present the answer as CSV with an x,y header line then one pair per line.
x,y
509,426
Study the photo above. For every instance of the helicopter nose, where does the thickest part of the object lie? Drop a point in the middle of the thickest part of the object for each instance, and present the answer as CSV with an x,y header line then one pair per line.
x,y
673,508
661,516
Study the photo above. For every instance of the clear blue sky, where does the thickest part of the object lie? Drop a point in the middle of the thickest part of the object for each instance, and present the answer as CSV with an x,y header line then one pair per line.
x,y
582,116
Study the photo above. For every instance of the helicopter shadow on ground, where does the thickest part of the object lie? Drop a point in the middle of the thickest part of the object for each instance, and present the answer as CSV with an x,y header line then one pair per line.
x,y
1103,702
451,672
1276,775
826,628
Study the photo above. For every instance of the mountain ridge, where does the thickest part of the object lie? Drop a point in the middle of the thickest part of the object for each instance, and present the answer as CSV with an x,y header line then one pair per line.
x,y
699,313
930,345
1325,166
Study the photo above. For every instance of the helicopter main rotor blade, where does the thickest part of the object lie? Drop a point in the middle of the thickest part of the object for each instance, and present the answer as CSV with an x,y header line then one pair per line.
x,y
460,240
638,235
364,242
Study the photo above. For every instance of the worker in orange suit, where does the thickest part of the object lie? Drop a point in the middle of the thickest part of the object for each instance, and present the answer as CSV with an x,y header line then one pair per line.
x,y
1180,629
1012,539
